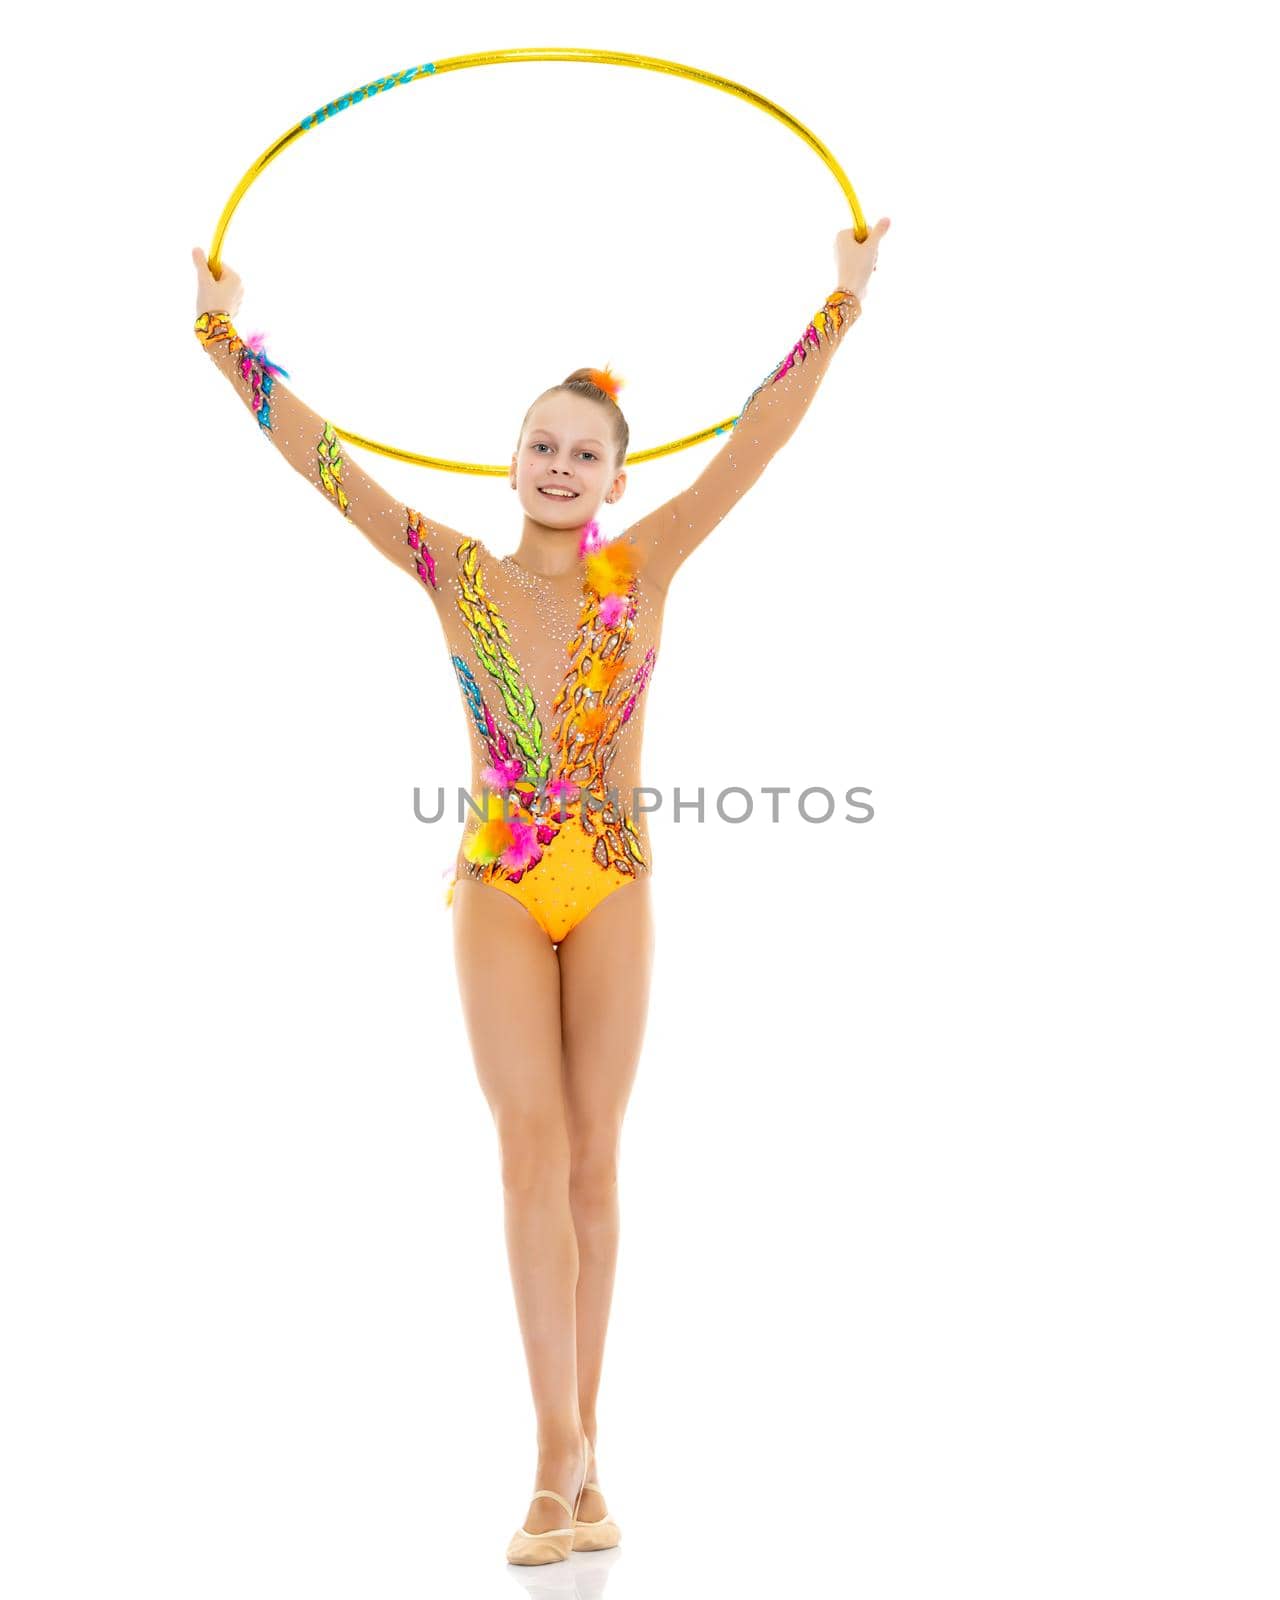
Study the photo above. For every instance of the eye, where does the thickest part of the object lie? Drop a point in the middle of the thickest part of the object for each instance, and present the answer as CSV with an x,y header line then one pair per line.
x,y
590,453
541,444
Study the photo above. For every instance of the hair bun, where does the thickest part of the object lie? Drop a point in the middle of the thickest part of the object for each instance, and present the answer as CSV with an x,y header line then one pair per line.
x,y
603,377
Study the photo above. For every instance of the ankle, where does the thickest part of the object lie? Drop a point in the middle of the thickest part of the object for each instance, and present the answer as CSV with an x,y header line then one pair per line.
x,y
554,1443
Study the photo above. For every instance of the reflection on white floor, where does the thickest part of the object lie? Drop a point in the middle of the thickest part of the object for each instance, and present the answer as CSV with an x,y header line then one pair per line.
x,y
584,1576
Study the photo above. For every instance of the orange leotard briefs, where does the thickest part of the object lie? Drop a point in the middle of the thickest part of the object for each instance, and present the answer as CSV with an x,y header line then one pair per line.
x,y
552,670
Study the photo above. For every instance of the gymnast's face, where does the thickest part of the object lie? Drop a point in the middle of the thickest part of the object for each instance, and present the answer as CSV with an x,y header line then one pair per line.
x,y
567,444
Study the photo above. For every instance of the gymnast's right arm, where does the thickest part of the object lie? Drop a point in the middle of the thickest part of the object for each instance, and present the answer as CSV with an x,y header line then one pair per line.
x,y
308,442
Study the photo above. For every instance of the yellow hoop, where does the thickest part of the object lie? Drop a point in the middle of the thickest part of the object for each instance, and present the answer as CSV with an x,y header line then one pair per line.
x,y
486,58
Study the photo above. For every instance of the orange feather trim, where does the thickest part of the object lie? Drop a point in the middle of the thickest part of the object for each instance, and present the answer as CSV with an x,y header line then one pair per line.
x,y
590,723
611,568
605,378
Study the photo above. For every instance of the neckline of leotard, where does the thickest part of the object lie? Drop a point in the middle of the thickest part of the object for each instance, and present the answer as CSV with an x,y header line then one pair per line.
x,y
547,577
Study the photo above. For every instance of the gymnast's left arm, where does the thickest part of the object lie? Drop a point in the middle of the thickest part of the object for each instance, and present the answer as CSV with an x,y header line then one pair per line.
x,y
770,416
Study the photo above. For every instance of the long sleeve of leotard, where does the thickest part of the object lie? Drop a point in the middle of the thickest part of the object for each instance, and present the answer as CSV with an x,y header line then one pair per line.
x,y
769,417
311,446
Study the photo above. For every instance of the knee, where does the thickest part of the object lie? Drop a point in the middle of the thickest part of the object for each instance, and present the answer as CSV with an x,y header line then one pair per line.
x,y
593,1168
535,1153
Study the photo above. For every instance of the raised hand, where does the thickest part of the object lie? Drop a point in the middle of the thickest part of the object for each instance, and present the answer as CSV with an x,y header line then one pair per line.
x,y
855,262
222,293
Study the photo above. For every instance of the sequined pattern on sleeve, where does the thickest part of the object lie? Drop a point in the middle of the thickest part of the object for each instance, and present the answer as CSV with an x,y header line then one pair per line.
x,y
770,415
839,310
310,443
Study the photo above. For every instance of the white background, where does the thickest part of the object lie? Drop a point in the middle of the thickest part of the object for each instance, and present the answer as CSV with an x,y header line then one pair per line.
x,y
949,1196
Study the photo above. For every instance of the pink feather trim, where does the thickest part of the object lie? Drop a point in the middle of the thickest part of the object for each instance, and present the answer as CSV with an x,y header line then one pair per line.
x,y
591,539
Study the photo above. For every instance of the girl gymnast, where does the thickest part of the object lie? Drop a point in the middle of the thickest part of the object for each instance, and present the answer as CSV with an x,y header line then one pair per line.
x,y
553,648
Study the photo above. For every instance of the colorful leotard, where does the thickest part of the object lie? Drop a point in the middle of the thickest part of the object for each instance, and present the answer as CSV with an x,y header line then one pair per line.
x,y
552,670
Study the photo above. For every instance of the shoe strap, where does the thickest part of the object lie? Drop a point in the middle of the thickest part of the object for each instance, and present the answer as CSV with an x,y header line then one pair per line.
x,y
550,1494
594,1486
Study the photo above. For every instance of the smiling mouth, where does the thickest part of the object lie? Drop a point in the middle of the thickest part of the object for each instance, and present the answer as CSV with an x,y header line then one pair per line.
x,y
559,494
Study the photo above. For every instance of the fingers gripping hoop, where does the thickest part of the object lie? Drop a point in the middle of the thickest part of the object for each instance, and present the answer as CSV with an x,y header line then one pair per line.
x,y
485,58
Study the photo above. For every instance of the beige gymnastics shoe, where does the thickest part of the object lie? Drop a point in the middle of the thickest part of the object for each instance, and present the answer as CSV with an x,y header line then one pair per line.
x,y
537,1549
603,1534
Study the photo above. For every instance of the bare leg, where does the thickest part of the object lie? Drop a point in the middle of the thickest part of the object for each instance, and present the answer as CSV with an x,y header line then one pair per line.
x,y
605,966
509,980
